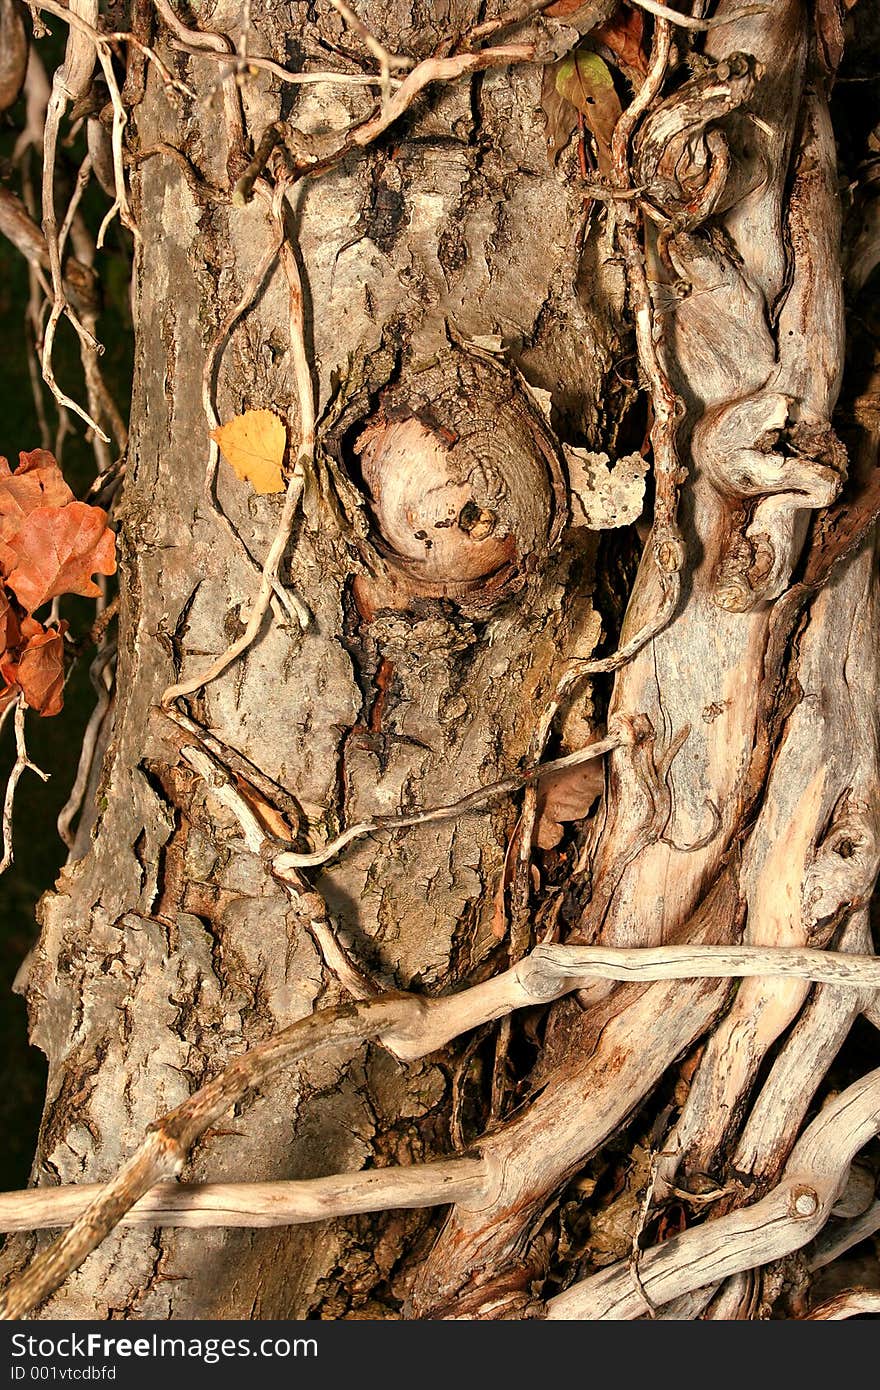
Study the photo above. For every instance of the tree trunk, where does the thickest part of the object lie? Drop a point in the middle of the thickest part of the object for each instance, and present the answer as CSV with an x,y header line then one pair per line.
x,y
469,319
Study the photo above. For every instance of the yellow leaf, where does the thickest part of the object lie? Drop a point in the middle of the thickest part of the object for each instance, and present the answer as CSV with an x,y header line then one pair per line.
x,y
254,444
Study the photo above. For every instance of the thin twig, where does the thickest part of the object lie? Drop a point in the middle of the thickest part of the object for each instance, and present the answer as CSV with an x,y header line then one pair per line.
x,y
211,760
297,79
638,1230
209,375
527,10
388,62
686,21
74,802
101,46
168,78
783,1221
34,333
240,766
478,800
100,402
71,79
205,41
316,154
22,764
83,175
668,549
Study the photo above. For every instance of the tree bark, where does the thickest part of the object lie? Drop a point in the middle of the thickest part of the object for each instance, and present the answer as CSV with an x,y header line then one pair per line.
x,y
468,325
166,947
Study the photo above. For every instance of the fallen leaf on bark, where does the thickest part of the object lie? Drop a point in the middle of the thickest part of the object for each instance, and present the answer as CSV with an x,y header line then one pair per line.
x,y
39,671
254,443
623,34
36,482
560,117
584,14
585,80
566,796
56,550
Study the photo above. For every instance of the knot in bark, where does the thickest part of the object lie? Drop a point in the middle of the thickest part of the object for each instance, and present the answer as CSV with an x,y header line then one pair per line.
x,y
463,485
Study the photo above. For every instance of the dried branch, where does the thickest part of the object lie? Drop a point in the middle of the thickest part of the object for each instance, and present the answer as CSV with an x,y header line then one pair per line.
x,y
783,1221
411,1027
22,764
852,1303
254,1204
835,1241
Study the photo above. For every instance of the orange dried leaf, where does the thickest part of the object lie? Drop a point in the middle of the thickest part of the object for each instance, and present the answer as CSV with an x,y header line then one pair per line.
x,y
254,444
37,482
268,815
56,550
40,671
10,633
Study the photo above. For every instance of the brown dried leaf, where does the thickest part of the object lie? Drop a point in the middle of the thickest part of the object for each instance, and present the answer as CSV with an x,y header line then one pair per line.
x,y
56,550
39,672
585,80
583,14
566,796
36,482
560,117
623,34
254,443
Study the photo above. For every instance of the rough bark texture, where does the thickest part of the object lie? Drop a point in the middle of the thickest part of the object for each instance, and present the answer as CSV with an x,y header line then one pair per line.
x,y
166,948
449,587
